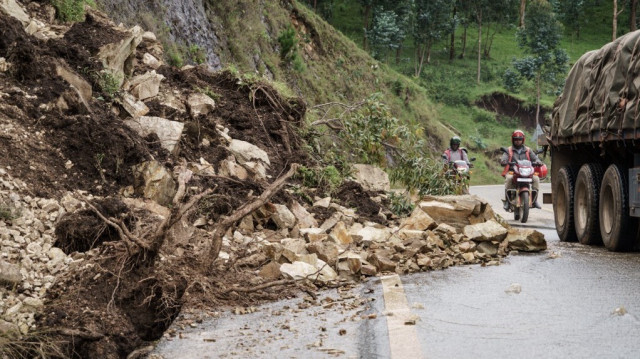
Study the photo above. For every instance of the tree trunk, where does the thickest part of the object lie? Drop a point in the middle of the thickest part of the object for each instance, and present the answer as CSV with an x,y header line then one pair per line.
x,y
479,16
632,15
614,24
398,53
464,42
367,15
420,54
429,51
485,50
315,6
537,99
452,45
523,5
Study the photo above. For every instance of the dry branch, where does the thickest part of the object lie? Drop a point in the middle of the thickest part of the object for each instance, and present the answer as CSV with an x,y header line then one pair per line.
x,y
244,210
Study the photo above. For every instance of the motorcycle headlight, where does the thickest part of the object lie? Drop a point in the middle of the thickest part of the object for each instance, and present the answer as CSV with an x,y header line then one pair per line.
x,y
526,171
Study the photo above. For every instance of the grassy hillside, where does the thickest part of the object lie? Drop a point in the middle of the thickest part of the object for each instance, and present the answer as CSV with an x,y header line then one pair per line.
x,y
331,67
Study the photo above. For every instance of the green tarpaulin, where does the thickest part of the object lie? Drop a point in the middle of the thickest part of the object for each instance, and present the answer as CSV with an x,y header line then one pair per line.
x,y
601,95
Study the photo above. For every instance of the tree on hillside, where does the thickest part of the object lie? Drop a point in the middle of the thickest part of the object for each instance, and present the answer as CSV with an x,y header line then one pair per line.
x,y
404,10
432,22
633,6
500,13
545,63
614,26
385,34
571,13
464,18
479,9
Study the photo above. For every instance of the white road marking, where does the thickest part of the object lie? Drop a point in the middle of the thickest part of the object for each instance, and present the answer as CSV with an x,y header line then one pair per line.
x,y
403,338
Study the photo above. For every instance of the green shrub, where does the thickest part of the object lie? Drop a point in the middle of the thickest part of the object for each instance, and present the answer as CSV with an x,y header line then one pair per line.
x,y
8,212
483,116
71,10
174,56
197,54
401,206
328,178
288,42
108,83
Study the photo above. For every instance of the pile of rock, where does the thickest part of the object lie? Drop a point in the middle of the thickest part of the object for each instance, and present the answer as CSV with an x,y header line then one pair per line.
x,y
441,232
29,264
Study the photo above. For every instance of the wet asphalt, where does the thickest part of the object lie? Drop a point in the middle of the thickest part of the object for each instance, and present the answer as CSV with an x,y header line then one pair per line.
x,y
574,301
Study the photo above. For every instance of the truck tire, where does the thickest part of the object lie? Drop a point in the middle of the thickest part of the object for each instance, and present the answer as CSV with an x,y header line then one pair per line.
x,y
524,209
616,227
586,204
563,204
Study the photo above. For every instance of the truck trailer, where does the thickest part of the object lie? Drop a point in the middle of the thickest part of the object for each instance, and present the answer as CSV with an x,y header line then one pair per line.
x,y
594,140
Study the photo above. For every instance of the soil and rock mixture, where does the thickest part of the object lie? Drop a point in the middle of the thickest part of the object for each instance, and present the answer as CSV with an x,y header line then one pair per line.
x,y
507,106
108,267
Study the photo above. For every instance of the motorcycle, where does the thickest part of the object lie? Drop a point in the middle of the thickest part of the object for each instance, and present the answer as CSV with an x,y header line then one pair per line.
x,y
460,172
522,197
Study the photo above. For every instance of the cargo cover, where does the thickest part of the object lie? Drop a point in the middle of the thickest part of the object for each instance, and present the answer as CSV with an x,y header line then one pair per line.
x,y
600,101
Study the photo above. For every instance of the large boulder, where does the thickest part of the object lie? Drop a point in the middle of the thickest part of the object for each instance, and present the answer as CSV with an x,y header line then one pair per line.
x,y
168,132
200,104
457,211
526,240
11,8
80,85
301,270
371,178
118,56
153,181
146,85
419,220
486,231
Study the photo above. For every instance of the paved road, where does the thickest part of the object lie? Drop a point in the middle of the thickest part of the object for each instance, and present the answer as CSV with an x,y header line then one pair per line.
x,y
575,302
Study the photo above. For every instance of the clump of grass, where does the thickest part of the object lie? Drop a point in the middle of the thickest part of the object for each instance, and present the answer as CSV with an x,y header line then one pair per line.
x,y
174,56
108,82
71,10
197,54
8,212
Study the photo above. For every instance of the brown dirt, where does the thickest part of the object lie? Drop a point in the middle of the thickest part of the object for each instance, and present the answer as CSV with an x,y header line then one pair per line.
x,y
351,194
505,105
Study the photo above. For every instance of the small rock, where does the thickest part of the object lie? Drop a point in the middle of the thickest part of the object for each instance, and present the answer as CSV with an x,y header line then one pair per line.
x,y
514,288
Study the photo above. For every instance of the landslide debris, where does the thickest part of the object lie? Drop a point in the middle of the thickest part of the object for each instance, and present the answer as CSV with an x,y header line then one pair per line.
x,y
116,171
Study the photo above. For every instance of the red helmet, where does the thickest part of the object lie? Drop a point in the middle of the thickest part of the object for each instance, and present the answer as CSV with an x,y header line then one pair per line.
x,y
517,135
542,171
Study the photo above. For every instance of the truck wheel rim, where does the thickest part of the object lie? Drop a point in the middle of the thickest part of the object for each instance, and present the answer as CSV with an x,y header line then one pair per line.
x,y
607,209
561,206
581,205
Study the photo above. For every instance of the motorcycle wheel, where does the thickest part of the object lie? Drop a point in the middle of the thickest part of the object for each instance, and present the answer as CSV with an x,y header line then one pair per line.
x,y
516,212
524,209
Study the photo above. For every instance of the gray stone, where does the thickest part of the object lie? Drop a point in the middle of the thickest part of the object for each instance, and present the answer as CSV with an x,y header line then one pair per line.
x,y
371,178
325,250
200,104
488,248
134,107
80,85
486,231
527,240
419,220
168,132
9,273
247,152
146,85
305,219
119,56
283,217
153,181
11,8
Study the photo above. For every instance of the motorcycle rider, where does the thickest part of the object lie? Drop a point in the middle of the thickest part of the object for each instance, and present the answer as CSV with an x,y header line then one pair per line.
x,y
454,152
519,152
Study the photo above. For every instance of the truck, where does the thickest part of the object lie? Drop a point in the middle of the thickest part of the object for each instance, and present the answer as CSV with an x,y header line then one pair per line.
x,y
593,137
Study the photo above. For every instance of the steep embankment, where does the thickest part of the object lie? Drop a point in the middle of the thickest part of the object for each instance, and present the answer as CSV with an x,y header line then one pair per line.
x,y
245,35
